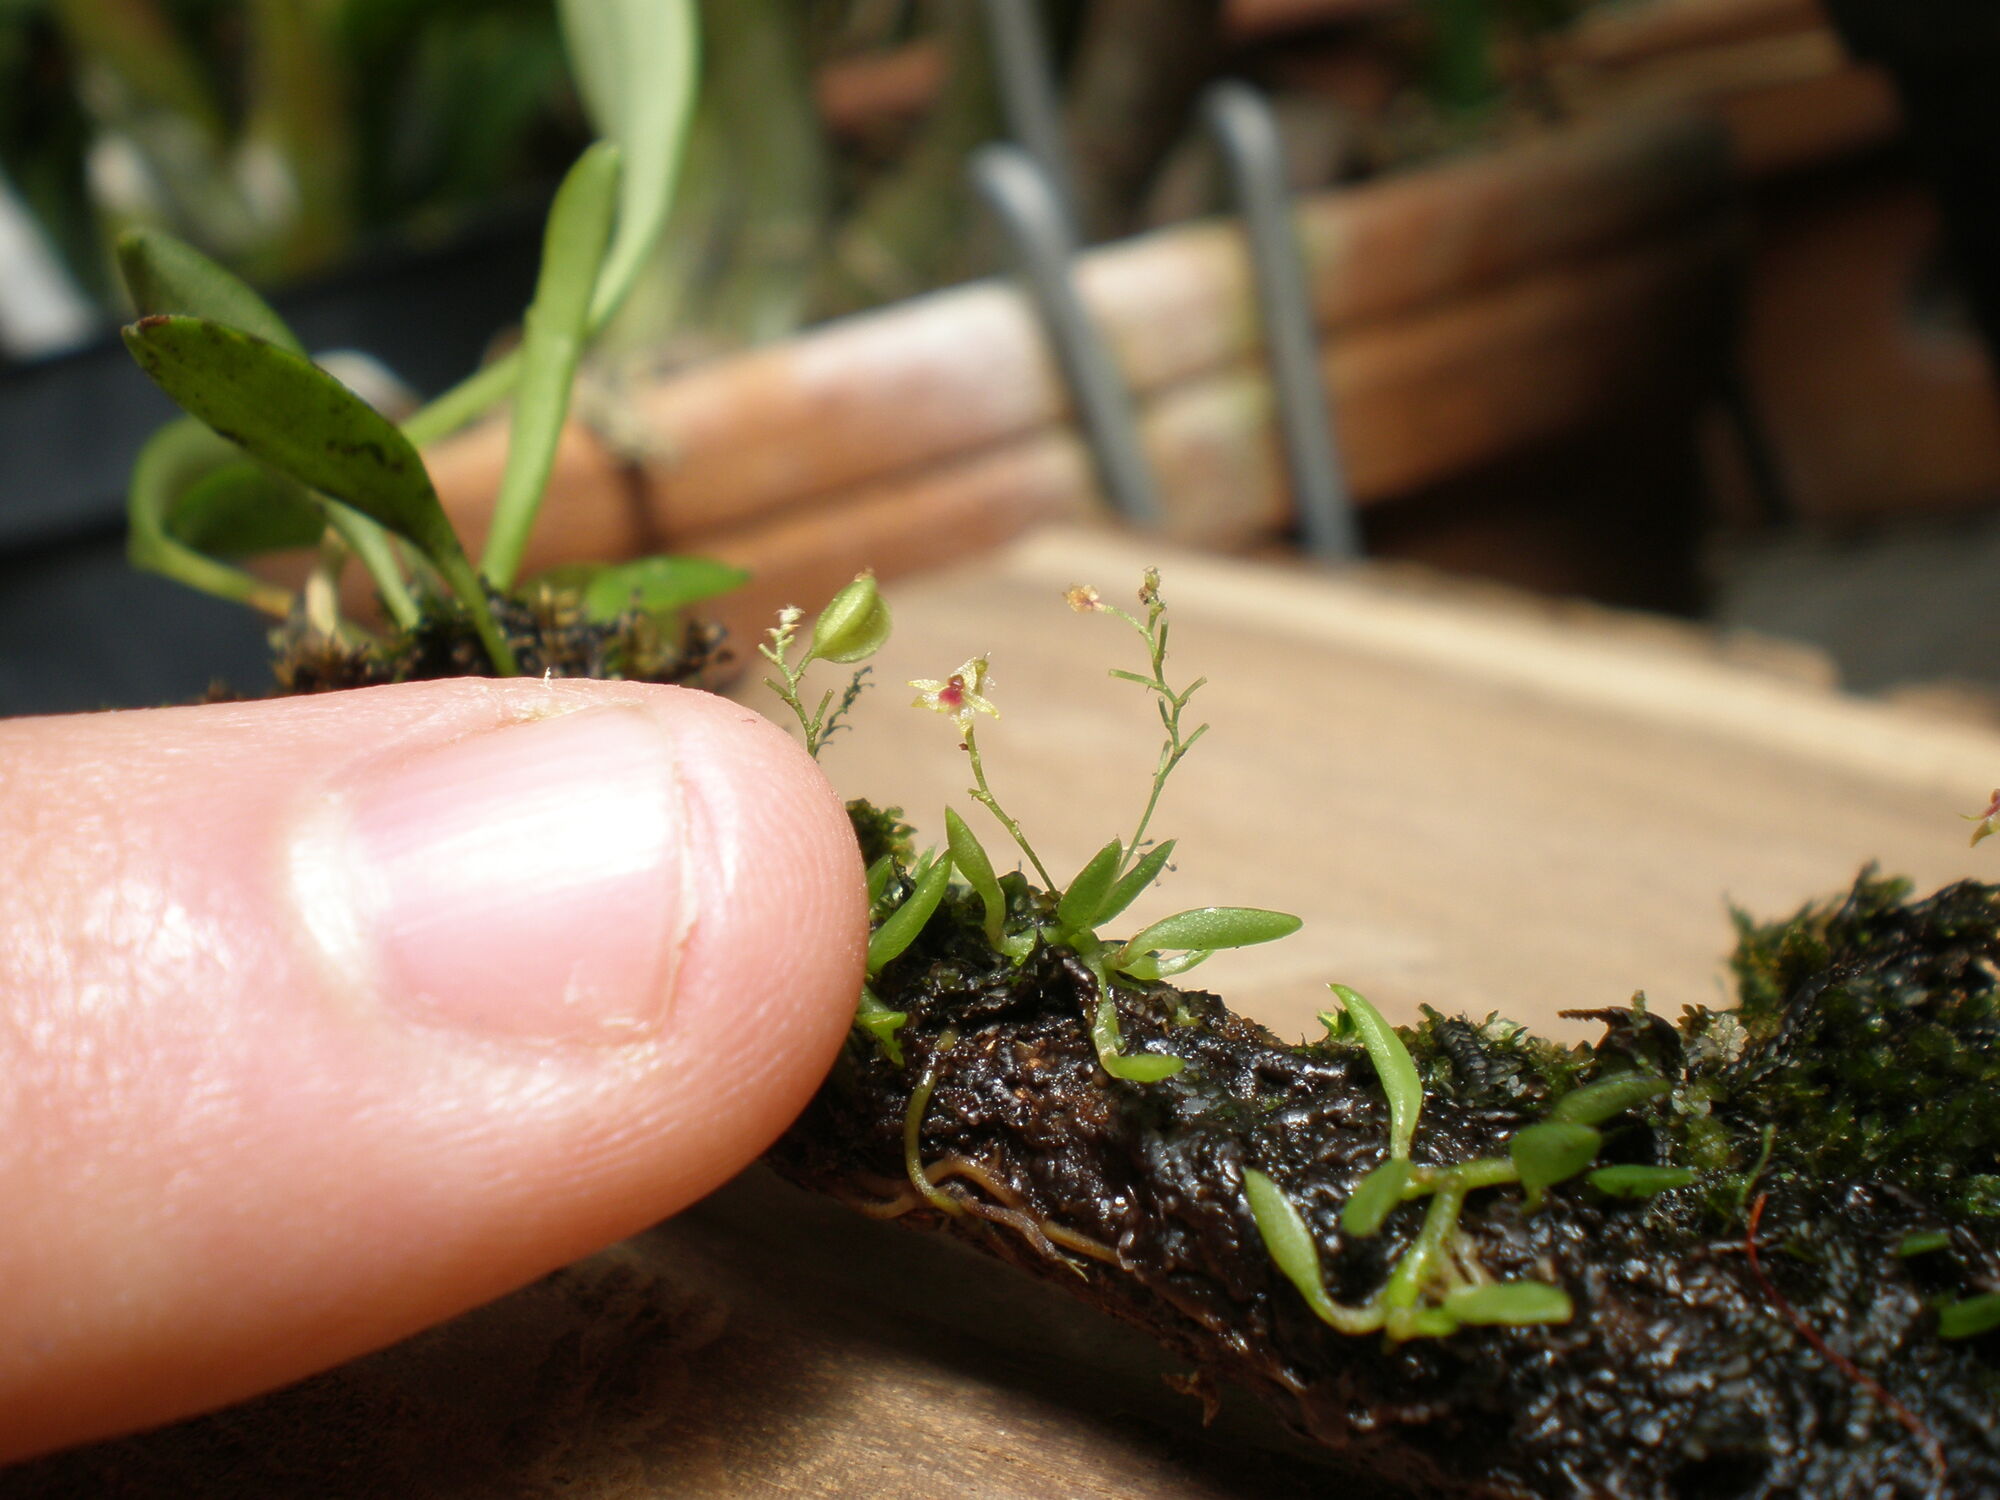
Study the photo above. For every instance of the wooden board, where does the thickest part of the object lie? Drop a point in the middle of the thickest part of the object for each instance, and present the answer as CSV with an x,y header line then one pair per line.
x,y
1475,802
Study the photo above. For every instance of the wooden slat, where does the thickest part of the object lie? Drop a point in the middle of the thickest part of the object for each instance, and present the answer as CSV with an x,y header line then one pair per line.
x,y
947,375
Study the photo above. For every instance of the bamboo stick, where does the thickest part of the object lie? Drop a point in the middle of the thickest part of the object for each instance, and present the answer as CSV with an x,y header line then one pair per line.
x,y
915,384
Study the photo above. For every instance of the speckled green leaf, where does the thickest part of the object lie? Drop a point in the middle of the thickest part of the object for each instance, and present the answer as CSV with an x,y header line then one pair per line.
x,y
1550,1153
901,927
1084,896
1510,1303
169,276
1637,1181
1392,1065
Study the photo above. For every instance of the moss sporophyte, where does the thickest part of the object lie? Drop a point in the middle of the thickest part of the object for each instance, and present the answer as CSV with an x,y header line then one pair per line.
x,y
1755,1252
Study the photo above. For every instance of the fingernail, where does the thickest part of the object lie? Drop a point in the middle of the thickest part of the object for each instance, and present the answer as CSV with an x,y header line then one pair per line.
x,y
524,882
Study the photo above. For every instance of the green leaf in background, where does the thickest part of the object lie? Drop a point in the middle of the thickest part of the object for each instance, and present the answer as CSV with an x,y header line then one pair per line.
x,y
1597,1102
557,324
242,510
1134,881
1084,897
1547,1154
283,409
1393,1066
635,63
1509,1303
1636,1181
177,458
653,585
1970,1316
166,276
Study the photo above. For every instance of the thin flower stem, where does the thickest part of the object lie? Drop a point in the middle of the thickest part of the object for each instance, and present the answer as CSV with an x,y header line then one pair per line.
x,y
983,795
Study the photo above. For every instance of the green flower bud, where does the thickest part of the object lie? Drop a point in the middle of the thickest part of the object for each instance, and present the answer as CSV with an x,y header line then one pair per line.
x,y
853,626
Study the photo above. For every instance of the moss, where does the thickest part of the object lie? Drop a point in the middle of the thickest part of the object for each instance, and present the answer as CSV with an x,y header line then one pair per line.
x,y
1862,1054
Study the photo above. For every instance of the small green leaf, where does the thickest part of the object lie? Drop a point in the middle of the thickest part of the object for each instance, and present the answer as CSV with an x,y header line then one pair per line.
x,y
653,585
1923,1242
283,409
1134,881
1210,927
553,334
1141,1067
1085,895
1636,1181
1373,1198
969,857
1550,1153
1398,1074
1289,1243
1597,1102
242,510
882,1023
168,276
1510,1303
902,926
1970,1316
854,624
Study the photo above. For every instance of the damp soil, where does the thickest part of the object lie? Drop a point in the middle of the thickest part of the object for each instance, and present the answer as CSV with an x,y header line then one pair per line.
x,y
1771,1329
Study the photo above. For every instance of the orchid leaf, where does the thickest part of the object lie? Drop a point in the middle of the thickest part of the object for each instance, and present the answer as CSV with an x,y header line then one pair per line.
x,y
1134,882
1393,1066
557,324
969,856
283,409
1210,927
1597,1102
1550,1153
903,925
1085,895
1374,1197
1510,1303
165,275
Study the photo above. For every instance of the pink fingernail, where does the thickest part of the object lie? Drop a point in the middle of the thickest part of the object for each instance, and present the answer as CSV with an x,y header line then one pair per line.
x,y
526,881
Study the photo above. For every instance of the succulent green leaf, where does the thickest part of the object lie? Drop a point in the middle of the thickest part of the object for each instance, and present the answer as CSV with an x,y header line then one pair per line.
x,y
1597,1102
1923,1242
654,585
1134,882
1510,1303
1970,1316
636,65
1141,1067
969,857
853,626
1393,1067
165,275
1373,1198
901,927
1635,1181
878,877
553,335
243,509
1210,927
1085,895
1550,1153
1289,1242
283,409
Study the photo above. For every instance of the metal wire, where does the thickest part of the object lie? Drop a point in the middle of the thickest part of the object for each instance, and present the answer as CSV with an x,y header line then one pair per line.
x,y
1253,157
1030,210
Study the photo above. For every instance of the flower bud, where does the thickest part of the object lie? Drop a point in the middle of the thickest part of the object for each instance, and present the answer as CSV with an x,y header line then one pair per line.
x,y
854,624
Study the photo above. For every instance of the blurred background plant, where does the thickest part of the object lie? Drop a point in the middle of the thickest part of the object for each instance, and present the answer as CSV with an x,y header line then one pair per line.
x,y
284,137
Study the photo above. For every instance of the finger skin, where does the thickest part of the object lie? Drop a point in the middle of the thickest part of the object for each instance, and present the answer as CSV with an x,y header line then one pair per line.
x,y
226,1163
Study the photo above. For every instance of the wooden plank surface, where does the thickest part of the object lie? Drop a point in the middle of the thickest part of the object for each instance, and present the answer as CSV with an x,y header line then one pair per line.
x,y
1474,801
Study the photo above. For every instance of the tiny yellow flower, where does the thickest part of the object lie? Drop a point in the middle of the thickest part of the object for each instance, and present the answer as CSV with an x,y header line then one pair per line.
x,y
1084,599
959,696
